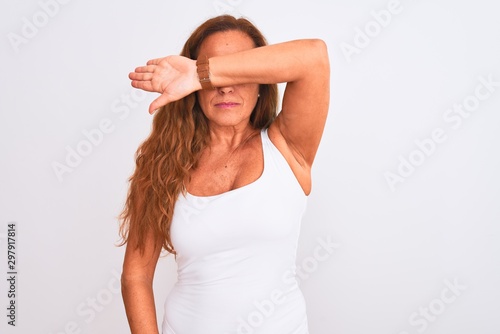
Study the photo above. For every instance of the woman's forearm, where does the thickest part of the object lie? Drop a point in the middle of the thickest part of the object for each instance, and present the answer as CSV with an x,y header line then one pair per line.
x,y
140,306
284,62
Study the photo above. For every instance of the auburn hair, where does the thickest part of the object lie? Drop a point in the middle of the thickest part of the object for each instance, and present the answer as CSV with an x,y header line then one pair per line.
x,y
179,134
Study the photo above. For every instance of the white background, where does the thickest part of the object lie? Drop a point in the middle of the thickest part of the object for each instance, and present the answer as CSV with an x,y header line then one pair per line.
x,y
397,247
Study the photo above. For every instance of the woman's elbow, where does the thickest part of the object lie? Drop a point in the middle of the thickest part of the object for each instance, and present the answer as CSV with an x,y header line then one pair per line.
x,y
319,50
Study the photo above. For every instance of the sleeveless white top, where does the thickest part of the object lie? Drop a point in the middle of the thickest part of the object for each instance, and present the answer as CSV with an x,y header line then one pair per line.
x,y
236,255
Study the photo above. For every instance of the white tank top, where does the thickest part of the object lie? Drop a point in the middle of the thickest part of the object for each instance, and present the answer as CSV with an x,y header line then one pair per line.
x,y
236,255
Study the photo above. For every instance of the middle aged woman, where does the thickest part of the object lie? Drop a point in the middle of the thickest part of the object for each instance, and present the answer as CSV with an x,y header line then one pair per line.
x,y
222,181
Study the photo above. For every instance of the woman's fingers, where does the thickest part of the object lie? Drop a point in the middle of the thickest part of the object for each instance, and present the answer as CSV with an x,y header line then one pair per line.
x,y
143,73
144,85
155,61
146,69
140,76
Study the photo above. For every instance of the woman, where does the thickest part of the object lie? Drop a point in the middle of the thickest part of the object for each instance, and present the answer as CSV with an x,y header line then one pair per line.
x,y
222,181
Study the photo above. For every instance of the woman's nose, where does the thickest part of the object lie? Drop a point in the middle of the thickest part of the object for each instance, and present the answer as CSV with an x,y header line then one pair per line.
x,y
225,90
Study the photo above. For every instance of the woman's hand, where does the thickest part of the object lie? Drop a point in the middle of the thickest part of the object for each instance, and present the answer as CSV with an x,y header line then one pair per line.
x,y
174,77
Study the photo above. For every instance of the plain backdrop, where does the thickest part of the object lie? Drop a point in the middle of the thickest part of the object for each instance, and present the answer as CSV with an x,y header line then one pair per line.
x,y
406,180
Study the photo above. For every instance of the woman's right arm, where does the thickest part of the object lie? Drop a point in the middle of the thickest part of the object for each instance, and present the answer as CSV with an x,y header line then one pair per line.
x,y
137,285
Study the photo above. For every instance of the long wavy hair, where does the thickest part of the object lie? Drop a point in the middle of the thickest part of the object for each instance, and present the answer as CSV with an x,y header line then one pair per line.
x,y
179,134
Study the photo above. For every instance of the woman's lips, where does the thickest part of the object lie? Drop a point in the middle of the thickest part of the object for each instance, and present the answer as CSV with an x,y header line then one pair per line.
x,y
226,105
